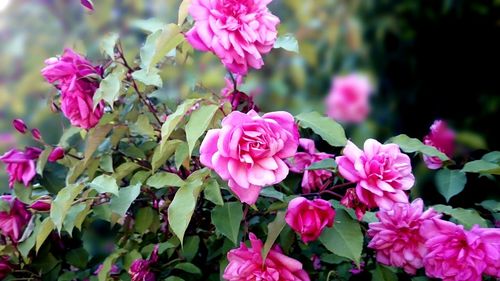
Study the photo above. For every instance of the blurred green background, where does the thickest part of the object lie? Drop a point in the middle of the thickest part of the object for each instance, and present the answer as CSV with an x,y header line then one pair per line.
x,y
429,59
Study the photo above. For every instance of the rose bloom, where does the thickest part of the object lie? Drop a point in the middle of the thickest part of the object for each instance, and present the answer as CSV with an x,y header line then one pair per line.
x,y
13,222
313,180
75,77
21,165
309,217
351,200
396,237
245,264
491,240
443,139
456,254
381,171
239,32
5,267
348,100
239,101
248,150
140,269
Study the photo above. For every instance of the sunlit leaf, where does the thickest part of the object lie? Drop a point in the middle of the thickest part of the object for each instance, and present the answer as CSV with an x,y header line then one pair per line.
x,y
287,42
198,123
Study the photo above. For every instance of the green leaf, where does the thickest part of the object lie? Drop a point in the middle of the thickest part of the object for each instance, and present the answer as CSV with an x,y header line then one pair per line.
x,y
182,207
325,164
491,205
125,169
150,25
273,231
198,123
106,163
191,247
109,89
42,160
176,117
183,11
227,220
493,157
23,193
472,140
108,44
481,166
181,154
383,273
105,184
71,217
25,246
45,229
164,179
271,192
174,278
188,267
142,127
120,204
168,40
150,78
450,182
287,42
212,192
410,145
108,263
62,203
329,130
344,238
78,258
465,217
163,152
144,219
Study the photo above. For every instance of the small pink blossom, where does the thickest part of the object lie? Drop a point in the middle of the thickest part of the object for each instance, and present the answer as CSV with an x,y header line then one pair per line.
x,y
248,151
19,125
140,269
21,165
56,154
443,139
456,254
381,171
351,200
13,221
245,264
313,180
397,238
239,32
36,134
309,217
348,100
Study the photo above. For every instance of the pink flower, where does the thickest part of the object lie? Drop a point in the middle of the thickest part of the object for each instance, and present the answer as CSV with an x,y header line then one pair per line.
x,y
248,150
348,100
19,125
491,240
42,204
239,100
140,269
13,222
36,134
309,217
245,264
21,165
351,200
456,254
5,267
76,77
239,32
87,4
313,180
381,171
396,237
442,138
56,154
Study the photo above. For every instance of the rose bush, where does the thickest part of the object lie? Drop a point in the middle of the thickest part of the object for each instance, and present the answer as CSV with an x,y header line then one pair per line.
x,y
198,187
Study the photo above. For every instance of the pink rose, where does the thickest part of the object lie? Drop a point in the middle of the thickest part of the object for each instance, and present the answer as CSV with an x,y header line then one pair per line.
x,y
76,77
19,125
239,101
396,237
381,171
309,217
248,151
238,32
13,221
313,180
5,267
456,254
491,240
443,139
140,269
351,200
56,154
21,165
348,100
245,263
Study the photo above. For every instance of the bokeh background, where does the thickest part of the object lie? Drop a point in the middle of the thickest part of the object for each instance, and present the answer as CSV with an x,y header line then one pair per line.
x,y
428,60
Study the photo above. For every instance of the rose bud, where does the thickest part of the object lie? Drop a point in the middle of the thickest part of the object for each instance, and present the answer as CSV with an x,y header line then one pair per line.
x,y
19,125
56,154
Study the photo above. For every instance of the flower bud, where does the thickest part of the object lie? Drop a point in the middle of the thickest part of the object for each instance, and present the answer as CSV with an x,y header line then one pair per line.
x,y
56,154
19,125
36,134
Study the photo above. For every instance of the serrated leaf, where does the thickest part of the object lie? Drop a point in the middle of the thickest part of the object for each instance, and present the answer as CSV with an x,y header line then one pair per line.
x,y
450,182
344,238
126,195
45,229
188,267
325,164
183,11
198,123
164,179
148,77
329,130
105,184
273,231
176,117
465,217
62,203
481,166
287,42
182,207
109,88
410,145
212,192
227,220
142,127
108,44
42,160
